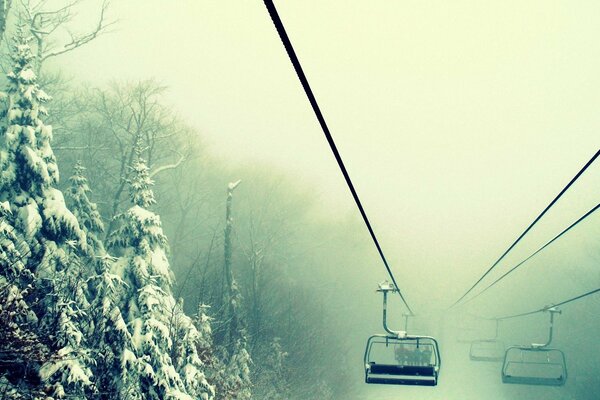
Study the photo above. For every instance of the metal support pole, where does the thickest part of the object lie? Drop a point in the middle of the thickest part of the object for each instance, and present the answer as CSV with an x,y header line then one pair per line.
x,y
386,287
552,311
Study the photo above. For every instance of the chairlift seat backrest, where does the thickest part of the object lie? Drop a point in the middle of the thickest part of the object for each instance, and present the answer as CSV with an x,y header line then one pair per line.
x,y
527,365
486,350
402,361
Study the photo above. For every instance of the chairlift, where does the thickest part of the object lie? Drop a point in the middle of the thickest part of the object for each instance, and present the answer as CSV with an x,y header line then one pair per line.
x,y
536,364
397,358
489,350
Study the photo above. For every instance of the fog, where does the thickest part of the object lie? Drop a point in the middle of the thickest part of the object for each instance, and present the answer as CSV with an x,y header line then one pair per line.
x,y
458,122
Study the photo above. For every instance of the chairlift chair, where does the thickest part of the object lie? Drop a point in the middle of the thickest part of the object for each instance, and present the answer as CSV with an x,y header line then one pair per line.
x,y
535,364
397,358
489,350
408,360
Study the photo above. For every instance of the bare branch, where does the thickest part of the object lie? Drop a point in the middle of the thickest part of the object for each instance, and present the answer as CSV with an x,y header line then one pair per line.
x,y
168,166
82,39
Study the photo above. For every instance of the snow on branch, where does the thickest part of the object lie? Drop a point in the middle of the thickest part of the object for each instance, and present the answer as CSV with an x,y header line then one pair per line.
x,y
233,185
79,148
162,168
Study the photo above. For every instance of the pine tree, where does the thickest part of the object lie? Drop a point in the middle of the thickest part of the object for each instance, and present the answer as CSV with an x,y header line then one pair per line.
x,y
231,371
47,233
116,363
237,381
213,357
271,379
29,170
187,340
84,209
21,349
205,342
164,370
109,340
66,306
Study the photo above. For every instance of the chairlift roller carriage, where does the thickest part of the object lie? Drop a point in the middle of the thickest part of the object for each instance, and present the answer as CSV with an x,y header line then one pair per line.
x,y
536,364
397,358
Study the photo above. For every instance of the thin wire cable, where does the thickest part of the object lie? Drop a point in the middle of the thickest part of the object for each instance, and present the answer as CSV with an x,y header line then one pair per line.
x,y
313,101
545,308
587,214
585,167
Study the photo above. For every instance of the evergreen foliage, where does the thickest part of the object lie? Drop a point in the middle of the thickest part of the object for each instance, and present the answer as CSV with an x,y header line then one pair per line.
x,y
165,369
115,367
84,209
36,211
78,322
271,378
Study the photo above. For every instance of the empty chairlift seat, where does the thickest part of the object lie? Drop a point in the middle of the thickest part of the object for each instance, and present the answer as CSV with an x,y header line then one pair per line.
x,y
486,350
411,360
490,349
530,365
536,364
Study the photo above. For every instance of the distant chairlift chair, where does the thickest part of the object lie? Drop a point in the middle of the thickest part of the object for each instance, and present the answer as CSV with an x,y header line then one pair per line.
x,y
397,358
490,350
536,364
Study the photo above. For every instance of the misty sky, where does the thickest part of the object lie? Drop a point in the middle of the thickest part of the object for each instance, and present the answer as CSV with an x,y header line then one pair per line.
x,y
459,121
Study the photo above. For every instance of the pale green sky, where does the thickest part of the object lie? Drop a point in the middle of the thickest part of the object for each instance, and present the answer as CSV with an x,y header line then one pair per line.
x,y
458,120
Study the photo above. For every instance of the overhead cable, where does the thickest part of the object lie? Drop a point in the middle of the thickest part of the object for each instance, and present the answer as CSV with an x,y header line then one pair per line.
x,y
313,102
546,308
585,167
584,216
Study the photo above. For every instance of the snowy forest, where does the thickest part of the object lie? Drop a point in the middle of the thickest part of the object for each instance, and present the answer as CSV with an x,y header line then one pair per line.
x,y
174,225
133,263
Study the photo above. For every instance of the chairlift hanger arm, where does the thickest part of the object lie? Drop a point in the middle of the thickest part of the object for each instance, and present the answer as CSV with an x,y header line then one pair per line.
x,y
402,335
385,288
552,311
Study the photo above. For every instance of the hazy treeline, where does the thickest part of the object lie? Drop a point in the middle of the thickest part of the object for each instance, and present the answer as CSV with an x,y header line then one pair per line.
x,y
281,245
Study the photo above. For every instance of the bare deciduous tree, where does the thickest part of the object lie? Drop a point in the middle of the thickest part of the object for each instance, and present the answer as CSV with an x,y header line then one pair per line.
x,y
50,28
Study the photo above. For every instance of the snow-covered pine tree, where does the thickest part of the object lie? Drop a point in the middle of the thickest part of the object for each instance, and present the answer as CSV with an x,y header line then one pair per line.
x,y
232,369
148,305
21,349
205,342
28,176
213,357
187,341
109,340
29,170
271,381
238,383
84,209
115,369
